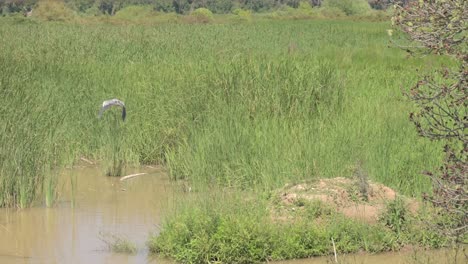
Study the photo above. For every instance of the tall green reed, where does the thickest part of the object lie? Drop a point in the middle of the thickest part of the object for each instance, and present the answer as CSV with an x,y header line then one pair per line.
x,y
113,130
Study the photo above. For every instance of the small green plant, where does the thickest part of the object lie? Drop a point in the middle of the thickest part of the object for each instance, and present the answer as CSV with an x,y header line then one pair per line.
x,y
316,209
300,202
396,216
118,244
362,182
50,189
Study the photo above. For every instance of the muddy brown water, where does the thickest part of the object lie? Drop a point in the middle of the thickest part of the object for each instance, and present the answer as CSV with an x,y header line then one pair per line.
x,y
103,205
132,209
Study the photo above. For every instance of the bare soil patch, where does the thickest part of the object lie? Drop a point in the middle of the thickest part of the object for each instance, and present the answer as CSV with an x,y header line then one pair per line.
x,y
364,201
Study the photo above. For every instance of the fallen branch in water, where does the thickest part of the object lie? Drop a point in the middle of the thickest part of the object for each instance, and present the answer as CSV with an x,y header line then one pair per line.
x,y
131,176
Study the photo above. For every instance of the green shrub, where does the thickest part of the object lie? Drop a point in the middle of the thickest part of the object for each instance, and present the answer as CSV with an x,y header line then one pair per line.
x,y
396,216
202,15
134,12
93,11
424,228
379,15
242,15
164,6
304,6
331,12
51,10
304,11
349,7
81,5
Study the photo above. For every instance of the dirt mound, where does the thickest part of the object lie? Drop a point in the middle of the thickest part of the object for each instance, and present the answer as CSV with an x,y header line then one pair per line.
x,y
353,198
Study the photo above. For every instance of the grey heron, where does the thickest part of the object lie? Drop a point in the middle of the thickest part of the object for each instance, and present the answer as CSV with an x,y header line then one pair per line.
x,y
113,102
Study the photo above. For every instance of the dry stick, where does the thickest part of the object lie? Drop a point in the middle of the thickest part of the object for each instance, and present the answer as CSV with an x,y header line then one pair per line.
x,y
131,176
87,160
334,250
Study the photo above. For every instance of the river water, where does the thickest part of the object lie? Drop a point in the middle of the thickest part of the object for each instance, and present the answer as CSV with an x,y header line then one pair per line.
x,y
103,205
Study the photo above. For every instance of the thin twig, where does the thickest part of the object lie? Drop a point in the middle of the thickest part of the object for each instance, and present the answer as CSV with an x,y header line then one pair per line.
x,y
87,160
131,176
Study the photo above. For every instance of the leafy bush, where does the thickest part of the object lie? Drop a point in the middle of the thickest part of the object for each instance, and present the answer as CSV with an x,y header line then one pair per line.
x,y
331,12
258,5
242,15
349,7
377,15
93,11
164,6
220,6
304,6
202,15
81,5
50,10
134,12
304,11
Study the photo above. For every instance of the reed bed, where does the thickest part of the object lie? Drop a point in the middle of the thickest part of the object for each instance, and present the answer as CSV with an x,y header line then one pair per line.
x,y
250,106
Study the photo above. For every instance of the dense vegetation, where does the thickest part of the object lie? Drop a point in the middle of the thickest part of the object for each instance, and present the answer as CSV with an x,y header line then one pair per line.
x,y
233,104
242,231
246,107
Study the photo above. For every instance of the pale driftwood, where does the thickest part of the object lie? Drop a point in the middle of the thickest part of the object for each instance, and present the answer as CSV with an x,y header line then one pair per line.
x,y
131,176
334,250
87,160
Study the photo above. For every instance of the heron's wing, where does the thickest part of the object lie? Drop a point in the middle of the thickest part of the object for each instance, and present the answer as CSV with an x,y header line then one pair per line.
x,y
103,108
113,102
124,113
118,102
